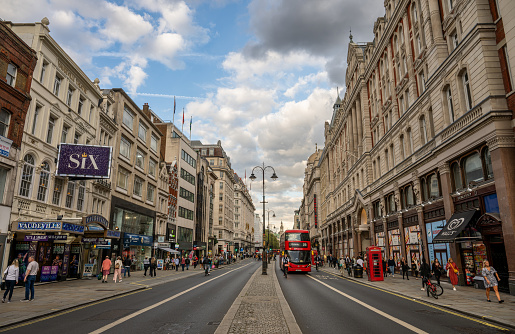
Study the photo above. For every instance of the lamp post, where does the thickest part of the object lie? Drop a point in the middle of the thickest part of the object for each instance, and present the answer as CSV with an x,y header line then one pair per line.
x,y
252,178
268,240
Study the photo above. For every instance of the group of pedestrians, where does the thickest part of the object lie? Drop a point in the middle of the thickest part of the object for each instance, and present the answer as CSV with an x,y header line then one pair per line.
x,y
11,277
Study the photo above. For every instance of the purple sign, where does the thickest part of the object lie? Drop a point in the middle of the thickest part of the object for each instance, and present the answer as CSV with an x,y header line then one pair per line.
x,y
39,237
45,273
84,161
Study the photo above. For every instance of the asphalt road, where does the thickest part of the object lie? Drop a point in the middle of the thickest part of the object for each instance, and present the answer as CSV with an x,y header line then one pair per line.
x,y
198,310
318,305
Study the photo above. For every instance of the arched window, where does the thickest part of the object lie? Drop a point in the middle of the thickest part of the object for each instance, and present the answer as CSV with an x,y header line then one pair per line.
x,y
43,181
423,129
27,175
456,176
489,172
432,183
473,168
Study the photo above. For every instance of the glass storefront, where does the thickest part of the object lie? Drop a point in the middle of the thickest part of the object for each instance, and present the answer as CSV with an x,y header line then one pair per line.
x,y
412,242
380,242
394,238
438,251
132,222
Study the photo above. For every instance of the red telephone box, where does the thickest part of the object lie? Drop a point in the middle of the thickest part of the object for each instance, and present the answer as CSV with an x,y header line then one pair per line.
x,y
375,263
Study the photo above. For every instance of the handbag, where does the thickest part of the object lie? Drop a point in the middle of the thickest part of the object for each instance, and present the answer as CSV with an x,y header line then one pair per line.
x,y
117,266
6,272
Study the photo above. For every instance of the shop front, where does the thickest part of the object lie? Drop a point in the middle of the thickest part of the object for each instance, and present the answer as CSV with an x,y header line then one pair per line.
x,y
413,244
137,247
394,240
438,251
55,245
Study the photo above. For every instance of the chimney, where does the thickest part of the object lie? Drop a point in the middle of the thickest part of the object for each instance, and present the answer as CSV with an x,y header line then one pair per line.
x,y
146,110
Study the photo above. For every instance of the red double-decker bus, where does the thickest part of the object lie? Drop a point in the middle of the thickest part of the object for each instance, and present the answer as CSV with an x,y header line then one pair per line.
x,y
298,246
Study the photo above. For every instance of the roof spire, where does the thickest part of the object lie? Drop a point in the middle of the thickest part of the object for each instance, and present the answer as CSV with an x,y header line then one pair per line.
x,y
350,35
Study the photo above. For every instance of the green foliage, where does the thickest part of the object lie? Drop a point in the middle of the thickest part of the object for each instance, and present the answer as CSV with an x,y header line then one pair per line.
x,y
273,241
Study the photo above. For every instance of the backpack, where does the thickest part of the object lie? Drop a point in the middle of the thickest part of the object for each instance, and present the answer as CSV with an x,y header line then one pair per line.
x,y
117,266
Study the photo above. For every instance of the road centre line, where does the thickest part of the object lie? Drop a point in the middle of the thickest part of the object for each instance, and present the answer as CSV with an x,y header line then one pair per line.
x,y
420,302
146,309
373,309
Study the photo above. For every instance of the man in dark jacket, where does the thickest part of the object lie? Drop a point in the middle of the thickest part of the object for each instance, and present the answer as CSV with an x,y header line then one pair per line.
x,y
391,266
425,272
385,271
318,259
127,262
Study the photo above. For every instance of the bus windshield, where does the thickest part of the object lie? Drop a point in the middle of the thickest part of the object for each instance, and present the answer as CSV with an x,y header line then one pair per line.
x,y
297,237
300,257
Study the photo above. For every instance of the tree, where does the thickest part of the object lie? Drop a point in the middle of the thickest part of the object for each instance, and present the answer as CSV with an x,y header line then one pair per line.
x,y
273,242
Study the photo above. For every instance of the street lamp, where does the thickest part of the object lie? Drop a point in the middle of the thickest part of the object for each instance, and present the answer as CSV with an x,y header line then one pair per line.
x,y
268,242
252,178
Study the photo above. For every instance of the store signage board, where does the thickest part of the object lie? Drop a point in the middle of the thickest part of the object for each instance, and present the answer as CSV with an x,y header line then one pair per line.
x,y
40,237
73,228
84,161
137,240
5,146
39,226
96,219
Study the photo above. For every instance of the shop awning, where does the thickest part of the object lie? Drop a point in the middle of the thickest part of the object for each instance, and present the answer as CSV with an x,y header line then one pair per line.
x,y
173,251
454,227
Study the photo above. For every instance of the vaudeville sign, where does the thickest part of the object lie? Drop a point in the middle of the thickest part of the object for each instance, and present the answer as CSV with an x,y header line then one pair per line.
x,y
84,161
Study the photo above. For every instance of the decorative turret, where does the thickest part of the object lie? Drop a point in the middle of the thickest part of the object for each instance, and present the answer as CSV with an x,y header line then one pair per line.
x,y
338,102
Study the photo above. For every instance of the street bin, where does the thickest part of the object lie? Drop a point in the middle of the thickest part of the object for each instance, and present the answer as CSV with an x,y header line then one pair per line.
x,y
358,271
375,264
479,282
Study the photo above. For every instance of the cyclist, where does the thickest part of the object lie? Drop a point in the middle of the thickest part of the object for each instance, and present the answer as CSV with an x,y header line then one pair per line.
x,y
207,266
285,264
425,272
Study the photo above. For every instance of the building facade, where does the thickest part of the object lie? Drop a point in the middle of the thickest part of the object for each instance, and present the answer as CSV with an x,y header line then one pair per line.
x,y
423,137
243,217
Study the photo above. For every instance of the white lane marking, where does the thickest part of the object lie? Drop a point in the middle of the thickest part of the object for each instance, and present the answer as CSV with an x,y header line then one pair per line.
x,y
386,315
146,309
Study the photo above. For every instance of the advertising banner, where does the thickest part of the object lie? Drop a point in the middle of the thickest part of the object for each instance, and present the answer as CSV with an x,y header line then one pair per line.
x,y
84,161
40,237
5,146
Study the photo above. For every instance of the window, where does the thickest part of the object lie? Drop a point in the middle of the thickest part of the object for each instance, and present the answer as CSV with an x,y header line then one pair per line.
x,y
81,105
11,75
69,194
203,152
451,5
488,163
390,204
27,175
221,185
151,167
454,40
456,176
138,186
57,85
185,213
58,189
76,137
125,148
140,159
81,195
64,135
419,45
220,221
142,132
187,176
91,114
450,107
128,118
433,185
402,149
150,193
466,90
386,160
153,143
406,100
422,81
473,170
410,141
5,117
35,120
423,129
211,162
43,70
407,198
392,156
43,181
401,105
186,157
211,152
188,195
386,121
69,96
220,234
377,209
50,132
122,178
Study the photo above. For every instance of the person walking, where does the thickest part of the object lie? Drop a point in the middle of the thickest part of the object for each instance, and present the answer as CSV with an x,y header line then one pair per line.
x,y
183,263
127,264
437,270
452,272
405,268
106,268
187,263
195,262
176,261
11,275
318,259
118,269
415,267
30,278
489,274
425,272
153,267
391,266
385,270
146,265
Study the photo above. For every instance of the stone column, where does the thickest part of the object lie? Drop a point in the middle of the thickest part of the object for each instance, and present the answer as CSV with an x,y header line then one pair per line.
x,y
502,150
360,125
350,132
436,28
445,182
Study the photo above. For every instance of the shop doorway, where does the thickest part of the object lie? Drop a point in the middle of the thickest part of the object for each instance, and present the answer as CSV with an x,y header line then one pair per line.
x,y
499,261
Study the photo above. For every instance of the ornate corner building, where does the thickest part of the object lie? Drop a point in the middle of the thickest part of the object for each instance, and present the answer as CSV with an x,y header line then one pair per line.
x,y
423,137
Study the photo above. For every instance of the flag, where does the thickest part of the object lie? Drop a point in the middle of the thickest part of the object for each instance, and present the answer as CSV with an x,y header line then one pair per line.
x,y
182,116
174,104
191,121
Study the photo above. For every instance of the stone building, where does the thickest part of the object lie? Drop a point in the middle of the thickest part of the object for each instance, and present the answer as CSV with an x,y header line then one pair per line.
x,y
424,138
17,62
311,197
243,216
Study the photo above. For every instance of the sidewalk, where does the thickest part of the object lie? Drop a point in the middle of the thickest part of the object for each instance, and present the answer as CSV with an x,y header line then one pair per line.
x,y
466,299
260,308
59,296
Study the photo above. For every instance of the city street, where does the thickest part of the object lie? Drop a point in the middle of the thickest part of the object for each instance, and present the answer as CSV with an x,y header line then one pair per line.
x,y
321,302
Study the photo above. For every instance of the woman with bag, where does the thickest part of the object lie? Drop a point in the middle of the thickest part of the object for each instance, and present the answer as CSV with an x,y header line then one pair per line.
x,y
11,278
452,272
153,267
118,269
437,270
489,274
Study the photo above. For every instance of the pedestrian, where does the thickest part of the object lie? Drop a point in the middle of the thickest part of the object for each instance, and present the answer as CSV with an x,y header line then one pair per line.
x,y
359,261
335,263
118,269
167,263
342,265
452,272
30,278
176,262
106,268
425,272
183,263
317,261
195,262
325,260
187,263
385,266
153,267
405,268
489,274
146,265
437,270
127,264
11,275
285,264
391,266
415,268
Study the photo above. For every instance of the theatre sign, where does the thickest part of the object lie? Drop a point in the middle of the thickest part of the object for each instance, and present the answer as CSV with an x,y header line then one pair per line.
x,y
84,161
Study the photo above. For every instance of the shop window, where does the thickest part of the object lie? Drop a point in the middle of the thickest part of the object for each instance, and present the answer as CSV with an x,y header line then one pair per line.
x,y
488,163
27,176
456,176
473,170
44,176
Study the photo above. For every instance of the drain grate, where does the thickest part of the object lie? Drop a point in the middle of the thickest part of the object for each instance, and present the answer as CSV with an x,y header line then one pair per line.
x,y
213,323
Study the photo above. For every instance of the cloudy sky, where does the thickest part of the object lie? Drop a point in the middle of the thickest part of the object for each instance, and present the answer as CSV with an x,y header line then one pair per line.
x,y
259,75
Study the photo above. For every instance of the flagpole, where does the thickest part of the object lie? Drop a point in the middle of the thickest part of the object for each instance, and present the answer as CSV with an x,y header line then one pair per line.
x,y
182,128
173,117
191,121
